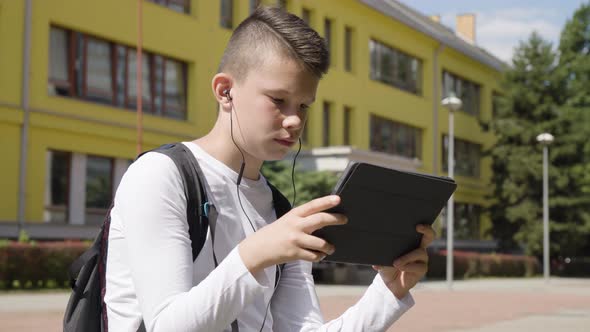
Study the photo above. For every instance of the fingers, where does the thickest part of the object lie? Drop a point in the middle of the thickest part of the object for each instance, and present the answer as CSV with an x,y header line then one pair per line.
x,y
314,243
311,255
417,256
428,235
316,205
416,268
322,219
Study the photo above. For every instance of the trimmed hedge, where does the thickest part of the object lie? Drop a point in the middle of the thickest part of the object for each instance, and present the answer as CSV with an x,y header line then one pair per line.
x,y
46,264
37,265
473,264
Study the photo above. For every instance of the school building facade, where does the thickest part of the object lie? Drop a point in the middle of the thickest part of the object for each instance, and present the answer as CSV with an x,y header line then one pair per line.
x,y
69,129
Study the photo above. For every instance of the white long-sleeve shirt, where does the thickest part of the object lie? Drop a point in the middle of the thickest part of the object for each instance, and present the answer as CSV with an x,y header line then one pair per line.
x,y
150,274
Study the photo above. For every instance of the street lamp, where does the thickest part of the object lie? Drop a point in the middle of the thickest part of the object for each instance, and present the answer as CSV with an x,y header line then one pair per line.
x,y
545,139
453,104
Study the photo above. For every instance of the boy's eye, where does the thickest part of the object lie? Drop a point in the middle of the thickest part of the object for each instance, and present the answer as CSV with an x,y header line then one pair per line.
x,y
278,101
304,107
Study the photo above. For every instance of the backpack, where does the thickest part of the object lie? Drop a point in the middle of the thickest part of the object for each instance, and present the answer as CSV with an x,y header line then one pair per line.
x,y
84,311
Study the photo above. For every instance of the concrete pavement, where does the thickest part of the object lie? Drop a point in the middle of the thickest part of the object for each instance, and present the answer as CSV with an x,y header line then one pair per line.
x,y
487,305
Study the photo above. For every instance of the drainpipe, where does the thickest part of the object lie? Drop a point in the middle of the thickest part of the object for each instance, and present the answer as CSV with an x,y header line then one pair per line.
x,y
22,179
139,82
435,106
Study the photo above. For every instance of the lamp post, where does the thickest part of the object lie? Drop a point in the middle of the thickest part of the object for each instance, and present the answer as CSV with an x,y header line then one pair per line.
x,y
453,104
545,139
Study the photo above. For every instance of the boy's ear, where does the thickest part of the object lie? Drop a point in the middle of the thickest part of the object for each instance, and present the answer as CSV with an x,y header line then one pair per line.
x,y
221,84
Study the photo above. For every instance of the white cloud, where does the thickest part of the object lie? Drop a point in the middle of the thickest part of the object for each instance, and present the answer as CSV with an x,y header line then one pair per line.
x,y
499,31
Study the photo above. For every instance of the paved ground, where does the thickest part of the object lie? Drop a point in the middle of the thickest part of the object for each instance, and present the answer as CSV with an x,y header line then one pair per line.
x,y
489,305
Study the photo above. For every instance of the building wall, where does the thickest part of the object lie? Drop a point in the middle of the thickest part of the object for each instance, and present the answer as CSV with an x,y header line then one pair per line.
x,y
78,126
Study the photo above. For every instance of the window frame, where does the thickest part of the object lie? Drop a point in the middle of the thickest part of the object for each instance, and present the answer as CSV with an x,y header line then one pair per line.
x,y
77,67
412,147
378,51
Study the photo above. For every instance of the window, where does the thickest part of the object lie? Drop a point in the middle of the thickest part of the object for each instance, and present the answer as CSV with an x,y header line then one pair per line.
x,y
467,91
306,16
395,138
59,62
146,91
57,202
174,89
283,4
467,157
227,14
396,68
326,123
347,125
253,5
96,70
99,188
466,221
181,6
328,36
348,49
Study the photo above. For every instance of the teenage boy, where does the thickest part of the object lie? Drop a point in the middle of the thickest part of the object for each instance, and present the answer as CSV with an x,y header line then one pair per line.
x,y
267,80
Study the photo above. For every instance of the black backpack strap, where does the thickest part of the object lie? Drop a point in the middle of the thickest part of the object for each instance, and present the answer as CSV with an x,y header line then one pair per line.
x,y
196,196
281,205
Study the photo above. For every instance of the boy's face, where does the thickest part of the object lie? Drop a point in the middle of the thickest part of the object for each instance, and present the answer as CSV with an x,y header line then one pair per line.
x,y
271,106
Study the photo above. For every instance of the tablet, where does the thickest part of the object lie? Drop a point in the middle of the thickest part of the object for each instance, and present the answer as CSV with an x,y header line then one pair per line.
x,y
383,207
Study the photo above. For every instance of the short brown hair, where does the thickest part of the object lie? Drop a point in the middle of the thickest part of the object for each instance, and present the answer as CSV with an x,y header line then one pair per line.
x,y
275,29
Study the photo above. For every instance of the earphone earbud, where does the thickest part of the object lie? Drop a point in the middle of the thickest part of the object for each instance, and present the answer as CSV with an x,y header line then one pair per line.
x,y
226,93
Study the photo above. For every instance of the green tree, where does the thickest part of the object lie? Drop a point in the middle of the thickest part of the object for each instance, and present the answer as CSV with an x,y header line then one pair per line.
x,y
571,209
309,184
527,107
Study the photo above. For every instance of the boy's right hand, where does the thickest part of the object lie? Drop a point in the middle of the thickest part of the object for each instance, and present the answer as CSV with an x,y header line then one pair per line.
x,y
289,238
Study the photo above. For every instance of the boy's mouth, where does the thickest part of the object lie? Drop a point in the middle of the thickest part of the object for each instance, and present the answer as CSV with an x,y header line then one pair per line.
x,y
285,142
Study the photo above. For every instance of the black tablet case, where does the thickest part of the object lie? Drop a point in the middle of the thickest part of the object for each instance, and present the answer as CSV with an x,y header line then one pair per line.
x,y
383,207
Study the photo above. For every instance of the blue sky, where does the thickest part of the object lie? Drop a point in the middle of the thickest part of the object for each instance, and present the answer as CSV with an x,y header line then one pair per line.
x,y
501,24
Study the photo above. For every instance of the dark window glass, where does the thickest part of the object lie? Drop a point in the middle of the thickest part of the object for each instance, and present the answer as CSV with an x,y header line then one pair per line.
x,y
306,15
158,84
56,209
59,64
99,85
395,138
181,6
132,79
175,82
395,68
326,123
227,14
90,68
121,75
99,187
348,49
347,125
467,91
467,157
328,36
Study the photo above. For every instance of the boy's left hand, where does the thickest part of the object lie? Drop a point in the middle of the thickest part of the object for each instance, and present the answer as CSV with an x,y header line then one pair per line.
x,y
410,268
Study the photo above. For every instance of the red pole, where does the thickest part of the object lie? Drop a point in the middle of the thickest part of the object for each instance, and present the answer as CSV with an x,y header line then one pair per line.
x,y
139,77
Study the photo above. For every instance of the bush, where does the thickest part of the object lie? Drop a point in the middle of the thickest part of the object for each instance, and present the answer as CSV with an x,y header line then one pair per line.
x,y
473,265
37,265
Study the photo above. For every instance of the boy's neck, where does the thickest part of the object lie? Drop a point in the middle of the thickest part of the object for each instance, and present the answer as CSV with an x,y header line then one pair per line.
x,y
220,146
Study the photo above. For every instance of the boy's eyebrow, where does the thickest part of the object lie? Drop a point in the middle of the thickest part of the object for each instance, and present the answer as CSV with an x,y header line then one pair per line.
x,y
283,91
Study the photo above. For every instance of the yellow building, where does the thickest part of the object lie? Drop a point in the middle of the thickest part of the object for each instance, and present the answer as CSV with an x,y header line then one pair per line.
x,y
68,126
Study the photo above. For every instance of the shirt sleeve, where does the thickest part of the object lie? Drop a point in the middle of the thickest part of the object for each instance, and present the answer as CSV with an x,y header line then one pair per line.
x,y
151,204
295,306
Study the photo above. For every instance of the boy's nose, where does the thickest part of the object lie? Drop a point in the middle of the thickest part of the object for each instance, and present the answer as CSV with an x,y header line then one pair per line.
x,y
292,122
